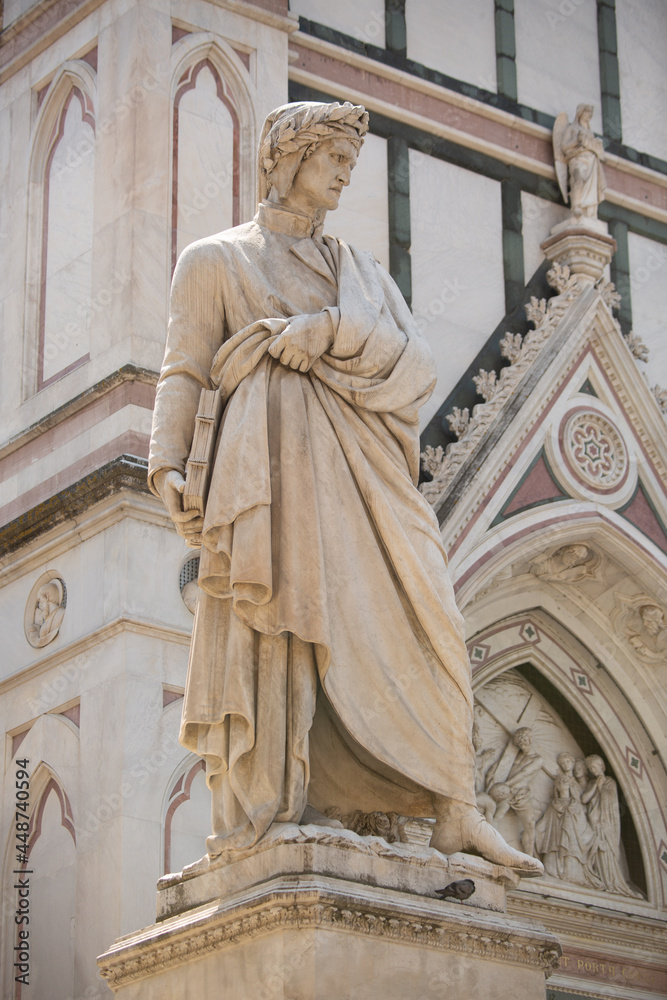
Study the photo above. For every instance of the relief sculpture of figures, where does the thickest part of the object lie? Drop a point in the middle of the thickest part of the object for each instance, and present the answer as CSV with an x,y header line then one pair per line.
x,y
568,564
601,801
513,791
578,156
564,836
328,667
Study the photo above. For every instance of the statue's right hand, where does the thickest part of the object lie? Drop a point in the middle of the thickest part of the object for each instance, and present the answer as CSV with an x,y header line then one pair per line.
x,y
170,485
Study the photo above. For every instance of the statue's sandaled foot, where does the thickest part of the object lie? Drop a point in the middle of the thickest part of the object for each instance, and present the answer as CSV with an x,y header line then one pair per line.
x,y
216,844
468,831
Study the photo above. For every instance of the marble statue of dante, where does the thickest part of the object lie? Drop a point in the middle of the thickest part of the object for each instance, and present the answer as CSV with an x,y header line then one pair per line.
x,y
328,669
578,156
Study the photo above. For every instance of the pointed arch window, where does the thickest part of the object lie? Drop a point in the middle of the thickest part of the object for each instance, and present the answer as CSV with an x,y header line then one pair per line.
x,y
187,817
206,157
67,239
50,872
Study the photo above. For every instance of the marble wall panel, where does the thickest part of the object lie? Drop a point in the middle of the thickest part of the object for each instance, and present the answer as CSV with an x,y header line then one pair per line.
x,y
362,217
538,216
69,237
456,237
648,290
363,19
14,150
442,37
642,37
557,65
205,162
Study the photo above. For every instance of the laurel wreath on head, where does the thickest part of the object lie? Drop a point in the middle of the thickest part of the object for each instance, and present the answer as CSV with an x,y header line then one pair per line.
x,y
308,127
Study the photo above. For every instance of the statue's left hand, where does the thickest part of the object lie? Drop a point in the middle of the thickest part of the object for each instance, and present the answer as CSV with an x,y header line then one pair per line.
x,y
303,341
170,485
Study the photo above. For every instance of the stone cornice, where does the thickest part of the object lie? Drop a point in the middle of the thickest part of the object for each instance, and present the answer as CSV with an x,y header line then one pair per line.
x,y
627,934
92,641
122,473
326,904
128,373
48,20
258,11
38,28
50,545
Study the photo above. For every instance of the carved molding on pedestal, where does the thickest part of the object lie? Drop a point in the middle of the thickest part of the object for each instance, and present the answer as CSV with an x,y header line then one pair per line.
x,y
344,907
583,250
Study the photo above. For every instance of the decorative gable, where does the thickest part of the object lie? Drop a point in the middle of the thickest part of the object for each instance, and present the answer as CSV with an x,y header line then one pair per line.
x,y
569,430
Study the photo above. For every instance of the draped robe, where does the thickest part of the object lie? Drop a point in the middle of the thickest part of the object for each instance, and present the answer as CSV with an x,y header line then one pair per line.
x,y
328,661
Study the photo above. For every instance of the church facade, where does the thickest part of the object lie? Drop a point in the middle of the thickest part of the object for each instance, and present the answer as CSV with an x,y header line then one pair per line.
x,y
129,130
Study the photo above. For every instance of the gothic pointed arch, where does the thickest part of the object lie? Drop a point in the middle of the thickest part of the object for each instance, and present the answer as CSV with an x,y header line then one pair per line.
x,y
191,771
213,140
40,868
570,701
60,237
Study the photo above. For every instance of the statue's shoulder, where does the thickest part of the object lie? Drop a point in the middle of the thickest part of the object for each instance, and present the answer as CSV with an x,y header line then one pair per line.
x,y
217,250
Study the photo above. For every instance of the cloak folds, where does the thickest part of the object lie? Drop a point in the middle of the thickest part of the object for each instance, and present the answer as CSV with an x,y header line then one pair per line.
x,y
328,660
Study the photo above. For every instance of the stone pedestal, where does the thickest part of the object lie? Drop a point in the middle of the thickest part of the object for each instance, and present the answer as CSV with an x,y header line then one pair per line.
x,y
583,246
315,914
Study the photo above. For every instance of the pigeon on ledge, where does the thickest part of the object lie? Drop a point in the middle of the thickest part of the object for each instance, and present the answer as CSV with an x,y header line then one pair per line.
x,y
462,889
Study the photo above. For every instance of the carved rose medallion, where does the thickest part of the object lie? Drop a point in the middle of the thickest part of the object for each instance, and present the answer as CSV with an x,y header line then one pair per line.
x,y
587,446
594,450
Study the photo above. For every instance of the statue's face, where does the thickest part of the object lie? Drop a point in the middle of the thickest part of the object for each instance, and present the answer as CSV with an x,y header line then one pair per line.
x,y
573,555
321,178
652,619
523,741
595,766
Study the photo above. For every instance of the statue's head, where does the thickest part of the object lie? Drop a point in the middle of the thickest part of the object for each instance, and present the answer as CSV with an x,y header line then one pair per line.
x,y
574,555
49,596
580,769
306,153
523,738
595,764
500,792
566,762
584,113
653,618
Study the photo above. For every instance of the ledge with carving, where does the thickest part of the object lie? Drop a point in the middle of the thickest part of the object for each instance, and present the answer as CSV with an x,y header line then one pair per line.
x,y
329,904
